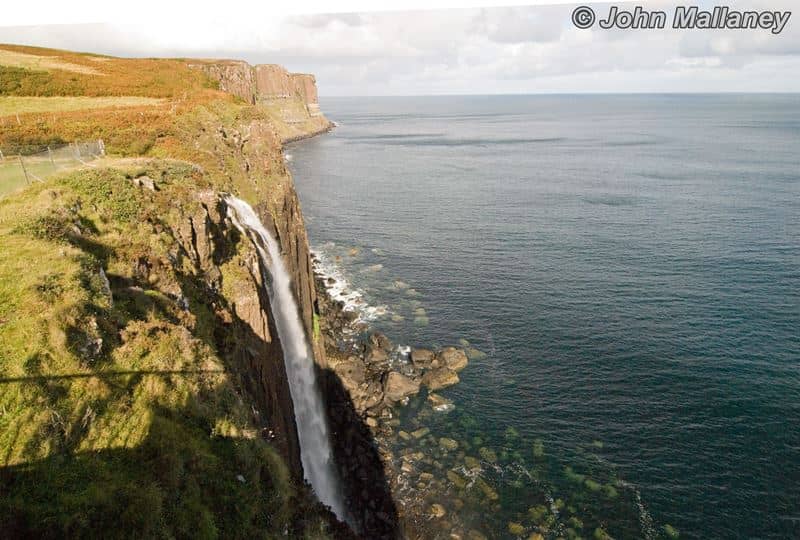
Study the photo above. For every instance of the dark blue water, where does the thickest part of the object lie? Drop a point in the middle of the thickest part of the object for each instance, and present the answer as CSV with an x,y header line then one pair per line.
x,y
630,265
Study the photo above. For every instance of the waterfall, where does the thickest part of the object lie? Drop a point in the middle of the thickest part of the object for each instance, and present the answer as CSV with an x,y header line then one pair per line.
x,y
312,426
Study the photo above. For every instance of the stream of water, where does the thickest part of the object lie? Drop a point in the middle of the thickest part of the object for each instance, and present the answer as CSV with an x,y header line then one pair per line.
x,y
312,428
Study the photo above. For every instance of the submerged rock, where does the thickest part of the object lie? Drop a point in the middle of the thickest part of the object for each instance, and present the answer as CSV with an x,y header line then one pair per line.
x,y
437,379
398,387
438,511
456,479
488,454
475,354
448,444
453,358
487,490
421,432
472,463
439,403
517,529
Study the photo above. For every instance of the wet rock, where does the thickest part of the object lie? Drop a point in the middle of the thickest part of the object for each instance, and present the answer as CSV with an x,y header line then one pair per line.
x,y
475,535
475,354
488,454
406,436
438,511
422,358
421,432
487,490
456,479
536,536
517,529
448,444
398,387
439,403
472,463
600,534
453,358
671,531
379,341
426,477
371,422
437,379
538,448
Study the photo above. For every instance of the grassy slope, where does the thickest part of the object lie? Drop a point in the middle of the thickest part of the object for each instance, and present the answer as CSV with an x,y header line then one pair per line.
x,y
118,415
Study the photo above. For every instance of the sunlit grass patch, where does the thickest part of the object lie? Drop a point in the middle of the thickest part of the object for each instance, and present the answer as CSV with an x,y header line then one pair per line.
x,y
44,63
10,105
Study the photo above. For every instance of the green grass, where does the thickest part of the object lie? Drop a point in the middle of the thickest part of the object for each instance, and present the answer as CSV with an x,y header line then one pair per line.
x,y
28,104
120,416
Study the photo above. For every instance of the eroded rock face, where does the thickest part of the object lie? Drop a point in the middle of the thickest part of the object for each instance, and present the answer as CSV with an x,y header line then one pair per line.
x,y
263,82
398,387
234,77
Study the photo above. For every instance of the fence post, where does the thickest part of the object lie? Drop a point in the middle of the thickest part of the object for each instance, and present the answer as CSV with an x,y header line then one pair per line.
x,y
50,155
24,170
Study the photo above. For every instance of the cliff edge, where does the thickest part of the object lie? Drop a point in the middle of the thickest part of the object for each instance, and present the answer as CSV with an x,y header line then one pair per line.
x,y
144,390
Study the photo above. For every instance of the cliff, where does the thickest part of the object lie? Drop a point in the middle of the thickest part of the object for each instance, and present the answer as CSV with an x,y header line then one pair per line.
x,y
292,97
147,393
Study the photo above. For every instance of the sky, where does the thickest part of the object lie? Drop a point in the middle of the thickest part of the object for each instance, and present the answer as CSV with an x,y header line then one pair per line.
x,y
529,49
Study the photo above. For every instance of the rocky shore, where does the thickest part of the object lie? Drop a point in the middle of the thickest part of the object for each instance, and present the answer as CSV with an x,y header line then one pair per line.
x,y
424,479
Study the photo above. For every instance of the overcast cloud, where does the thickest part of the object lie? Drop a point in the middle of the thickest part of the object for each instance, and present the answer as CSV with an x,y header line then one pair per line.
x,y
470,51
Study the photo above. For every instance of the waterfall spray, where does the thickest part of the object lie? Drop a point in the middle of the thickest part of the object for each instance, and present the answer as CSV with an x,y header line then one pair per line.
x,y
312,426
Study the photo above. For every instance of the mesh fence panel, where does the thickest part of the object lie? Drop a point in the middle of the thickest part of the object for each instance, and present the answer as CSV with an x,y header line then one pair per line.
x,y
25,166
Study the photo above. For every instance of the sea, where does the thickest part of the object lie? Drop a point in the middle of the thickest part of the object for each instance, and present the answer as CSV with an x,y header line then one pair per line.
x,y
624,271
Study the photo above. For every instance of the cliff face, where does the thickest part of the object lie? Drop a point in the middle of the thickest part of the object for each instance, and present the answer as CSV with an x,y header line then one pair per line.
x,y
157,370
266,84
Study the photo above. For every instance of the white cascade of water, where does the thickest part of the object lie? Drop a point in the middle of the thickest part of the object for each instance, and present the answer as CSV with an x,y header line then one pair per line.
x,y
312,426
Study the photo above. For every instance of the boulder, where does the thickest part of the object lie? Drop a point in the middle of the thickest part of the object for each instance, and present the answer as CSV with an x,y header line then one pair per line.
x,y
439,403
448,444
421,358
421,432
440,378
379,341
145,182
351,372
398,387
455,359
438,511
377,355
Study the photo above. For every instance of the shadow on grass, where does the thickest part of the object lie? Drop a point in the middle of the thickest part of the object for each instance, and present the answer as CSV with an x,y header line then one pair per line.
x,y
180,480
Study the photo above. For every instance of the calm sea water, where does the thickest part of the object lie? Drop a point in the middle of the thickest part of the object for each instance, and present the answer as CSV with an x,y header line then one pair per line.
x,y
630,265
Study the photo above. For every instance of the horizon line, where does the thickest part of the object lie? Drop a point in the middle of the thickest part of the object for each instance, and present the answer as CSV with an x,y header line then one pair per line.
x,y
532,94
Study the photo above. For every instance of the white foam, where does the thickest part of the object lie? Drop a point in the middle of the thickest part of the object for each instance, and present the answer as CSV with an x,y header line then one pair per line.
x,y
340,289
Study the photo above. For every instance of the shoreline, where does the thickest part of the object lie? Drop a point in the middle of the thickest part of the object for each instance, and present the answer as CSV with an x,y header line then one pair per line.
x,y
381,381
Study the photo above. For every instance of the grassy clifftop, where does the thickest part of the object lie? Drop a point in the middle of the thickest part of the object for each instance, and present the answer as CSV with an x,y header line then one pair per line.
x,y
125,408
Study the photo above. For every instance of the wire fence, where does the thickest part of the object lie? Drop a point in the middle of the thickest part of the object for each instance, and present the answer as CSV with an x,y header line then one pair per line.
x,y
23,166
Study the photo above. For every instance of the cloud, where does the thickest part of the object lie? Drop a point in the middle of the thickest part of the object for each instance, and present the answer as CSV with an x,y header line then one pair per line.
x,y
490,50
